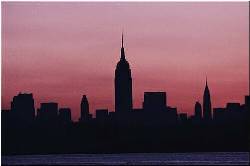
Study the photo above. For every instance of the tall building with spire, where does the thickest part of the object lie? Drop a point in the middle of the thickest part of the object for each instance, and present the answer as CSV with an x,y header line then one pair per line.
x,y
207,108
123,84
85,109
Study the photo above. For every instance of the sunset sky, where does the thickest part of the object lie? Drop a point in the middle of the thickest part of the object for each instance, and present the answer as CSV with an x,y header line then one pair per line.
x,y
61,51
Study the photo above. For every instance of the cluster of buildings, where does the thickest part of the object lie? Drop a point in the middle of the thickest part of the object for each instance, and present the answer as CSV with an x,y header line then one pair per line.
x,y
23,111
155,109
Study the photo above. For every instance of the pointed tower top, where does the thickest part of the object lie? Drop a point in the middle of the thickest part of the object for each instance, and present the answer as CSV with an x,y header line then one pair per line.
x,y
122,50
206,80
122,39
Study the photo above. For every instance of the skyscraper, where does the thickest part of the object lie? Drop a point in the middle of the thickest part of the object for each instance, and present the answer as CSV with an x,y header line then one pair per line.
x,y
48,112
198,111
22,107
207,108
84,109
155,101
123,84
65,115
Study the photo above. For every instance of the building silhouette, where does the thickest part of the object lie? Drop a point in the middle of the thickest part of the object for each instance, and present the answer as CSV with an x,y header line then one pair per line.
x,y
247,100
235,112
171,116
172,109
219,115
154,128
85,115
183,118
102,115
198,111
123,84
48,112
64,115
247,104
22,108
234,107
207,108
6,116
154,101
247,107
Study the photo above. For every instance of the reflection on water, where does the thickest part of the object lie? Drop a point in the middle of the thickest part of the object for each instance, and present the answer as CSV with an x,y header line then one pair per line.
x,y
232,158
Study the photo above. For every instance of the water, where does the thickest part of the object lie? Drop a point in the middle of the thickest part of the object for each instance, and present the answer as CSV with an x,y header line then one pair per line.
x,y
221,158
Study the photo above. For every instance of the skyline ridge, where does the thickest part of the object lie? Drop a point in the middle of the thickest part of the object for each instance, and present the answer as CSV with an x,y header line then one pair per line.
x,y
167,50
123,80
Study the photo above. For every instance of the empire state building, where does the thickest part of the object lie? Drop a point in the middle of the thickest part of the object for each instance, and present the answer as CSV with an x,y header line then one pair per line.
x,y
207,108
123,84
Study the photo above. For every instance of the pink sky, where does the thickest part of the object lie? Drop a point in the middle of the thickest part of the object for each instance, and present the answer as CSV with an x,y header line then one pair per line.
x,y
60,51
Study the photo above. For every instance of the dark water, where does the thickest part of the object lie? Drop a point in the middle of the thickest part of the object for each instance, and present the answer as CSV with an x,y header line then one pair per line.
x,y
222,158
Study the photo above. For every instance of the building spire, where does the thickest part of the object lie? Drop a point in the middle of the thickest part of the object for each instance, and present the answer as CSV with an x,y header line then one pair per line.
x,y
122,50
206,80
122,39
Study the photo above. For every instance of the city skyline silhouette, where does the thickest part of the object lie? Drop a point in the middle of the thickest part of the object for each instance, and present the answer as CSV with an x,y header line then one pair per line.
x,y
124,95
156,127
61,66
174,86
23,105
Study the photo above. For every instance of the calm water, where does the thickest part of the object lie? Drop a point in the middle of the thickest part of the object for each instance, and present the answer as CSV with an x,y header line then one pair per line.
x,y
134,159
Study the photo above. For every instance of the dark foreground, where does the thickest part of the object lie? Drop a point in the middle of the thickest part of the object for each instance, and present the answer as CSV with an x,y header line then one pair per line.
x,y
212,158
105,138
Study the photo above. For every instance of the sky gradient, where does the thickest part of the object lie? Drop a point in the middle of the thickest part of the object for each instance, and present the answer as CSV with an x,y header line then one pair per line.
x,y
61,51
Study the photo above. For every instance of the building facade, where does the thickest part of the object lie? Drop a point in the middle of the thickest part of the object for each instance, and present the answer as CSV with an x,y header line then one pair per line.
x,y
123,84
